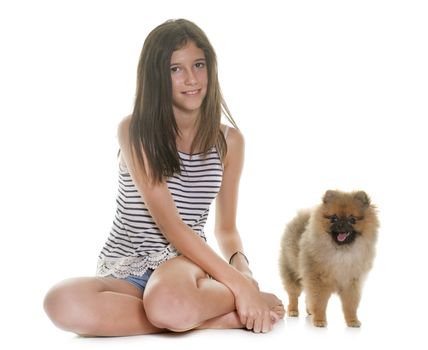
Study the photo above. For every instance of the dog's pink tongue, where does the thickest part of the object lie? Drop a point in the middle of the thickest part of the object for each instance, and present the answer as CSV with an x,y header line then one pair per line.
x,y
342,236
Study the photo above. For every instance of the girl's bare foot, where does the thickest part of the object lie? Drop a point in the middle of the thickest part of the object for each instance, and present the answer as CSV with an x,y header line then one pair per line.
x,y
274,303
227,321
231,320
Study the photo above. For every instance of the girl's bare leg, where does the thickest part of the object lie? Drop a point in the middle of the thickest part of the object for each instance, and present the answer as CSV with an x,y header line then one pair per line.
x,y
98,307
179,296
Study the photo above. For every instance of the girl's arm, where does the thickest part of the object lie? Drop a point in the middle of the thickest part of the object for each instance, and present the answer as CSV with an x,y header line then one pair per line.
x,y
226,231
252,309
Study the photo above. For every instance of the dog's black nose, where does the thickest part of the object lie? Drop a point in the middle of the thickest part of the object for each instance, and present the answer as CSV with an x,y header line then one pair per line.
x,y
341,225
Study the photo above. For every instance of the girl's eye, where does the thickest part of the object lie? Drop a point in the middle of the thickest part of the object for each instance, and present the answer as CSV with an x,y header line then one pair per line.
x,y
175,69
200,65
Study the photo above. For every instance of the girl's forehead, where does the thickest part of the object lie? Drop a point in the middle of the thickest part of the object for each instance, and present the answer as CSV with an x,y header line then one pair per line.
x,y
189,51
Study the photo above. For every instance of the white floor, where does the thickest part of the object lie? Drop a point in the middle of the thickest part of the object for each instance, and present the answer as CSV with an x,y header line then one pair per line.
x,y
382,332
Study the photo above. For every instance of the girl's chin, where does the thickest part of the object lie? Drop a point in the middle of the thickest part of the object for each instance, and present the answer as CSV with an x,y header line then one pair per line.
x,y
188,108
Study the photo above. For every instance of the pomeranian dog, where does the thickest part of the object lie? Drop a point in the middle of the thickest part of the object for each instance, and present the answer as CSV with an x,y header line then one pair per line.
x,y
329,249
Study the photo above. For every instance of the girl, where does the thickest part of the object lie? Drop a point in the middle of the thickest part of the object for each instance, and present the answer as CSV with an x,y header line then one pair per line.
x,y
156,272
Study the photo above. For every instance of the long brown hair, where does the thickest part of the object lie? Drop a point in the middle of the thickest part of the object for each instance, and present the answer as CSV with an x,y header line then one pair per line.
x,y
153,126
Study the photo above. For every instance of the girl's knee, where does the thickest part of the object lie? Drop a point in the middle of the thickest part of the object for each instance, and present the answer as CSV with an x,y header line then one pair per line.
x,y
167,307
65,306
56,305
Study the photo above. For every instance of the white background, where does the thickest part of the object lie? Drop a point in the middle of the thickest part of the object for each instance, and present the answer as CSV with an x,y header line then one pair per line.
x,y
329,94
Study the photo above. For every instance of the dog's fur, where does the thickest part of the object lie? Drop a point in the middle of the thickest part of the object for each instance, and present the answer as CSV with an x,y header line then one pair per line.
x,y
329,249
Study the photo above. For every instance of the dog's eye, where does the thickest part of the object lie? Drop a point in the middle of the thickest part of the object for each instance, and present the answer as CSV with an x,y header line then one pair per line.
x,y
352,220
333,218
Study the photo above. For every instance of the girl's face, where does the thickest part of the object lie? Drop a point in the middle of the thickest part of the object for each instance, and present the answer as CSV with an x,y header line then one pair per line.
x,y
189,78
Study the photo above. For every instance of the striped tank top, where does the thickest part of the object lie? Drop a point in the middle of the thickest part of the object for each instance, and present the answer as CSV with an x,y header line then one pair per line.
x,y
135,243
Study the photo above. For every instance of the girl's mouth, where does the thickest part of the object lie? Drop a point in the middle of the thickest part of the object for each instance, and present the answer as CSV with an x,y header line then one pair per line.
x,y
191,92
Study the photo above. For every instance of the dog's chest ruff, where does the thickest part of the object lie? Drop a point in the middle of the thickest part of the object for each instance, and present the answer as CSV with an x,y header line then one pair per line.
x,y
346,263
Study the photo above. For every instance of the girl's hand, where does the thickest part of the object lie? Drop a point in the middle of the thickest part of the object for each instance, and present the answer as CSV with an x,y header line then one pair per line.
x,y
253,311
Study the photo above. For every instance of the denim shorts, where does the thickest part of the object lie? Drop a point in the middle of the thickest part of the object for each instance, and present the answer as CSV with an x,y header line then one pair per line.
x,y
139,282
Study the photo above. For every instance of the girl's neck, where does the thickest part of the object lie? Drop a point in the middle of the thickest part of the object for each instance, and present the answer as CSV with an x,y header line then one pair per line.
x,y
185,120
186,123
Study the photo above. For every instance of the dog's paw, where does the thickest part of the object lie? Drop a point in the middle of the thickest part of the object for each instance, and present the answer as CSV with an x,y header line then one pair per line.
x,y
319,323
353,323
292,313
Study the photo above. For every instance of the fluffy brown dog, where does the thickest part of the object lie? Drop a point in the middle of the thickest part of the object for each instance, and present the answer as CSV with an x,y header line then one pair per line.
x,y
329,249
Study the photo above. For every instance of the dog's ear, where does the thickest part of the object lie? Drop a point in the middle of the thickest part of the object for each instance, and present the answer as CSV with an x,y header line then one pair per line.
x,y
329,195
362,198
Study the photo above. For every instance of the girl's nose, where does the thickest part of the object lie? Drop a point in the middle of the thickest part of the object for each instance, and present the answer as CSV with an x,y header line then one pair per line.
x,y
190,78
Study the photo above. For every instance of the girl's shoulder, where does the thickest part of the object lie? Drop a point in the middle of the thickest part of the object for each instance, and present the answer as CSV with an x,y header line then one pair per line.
x,y
235,145
123,129
232,135
124,123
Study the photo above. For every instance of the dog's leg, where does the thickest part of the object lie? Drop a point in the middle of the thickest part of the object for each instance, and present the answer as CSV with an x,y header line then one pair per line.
x,y
293,300
350,297
294,288
317,298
